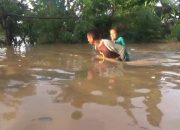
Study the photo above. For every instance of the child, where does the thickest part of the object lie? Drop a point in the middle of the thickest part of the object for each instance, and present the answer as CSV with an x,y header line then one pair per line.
x,y
114,34
105,47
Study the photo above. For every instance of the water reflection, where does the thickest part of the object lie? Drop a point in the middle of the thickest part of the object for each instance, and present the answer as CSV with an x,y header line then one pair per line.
x,y
15,84
43,86
113,85
3,54
76,115
11,94
20,50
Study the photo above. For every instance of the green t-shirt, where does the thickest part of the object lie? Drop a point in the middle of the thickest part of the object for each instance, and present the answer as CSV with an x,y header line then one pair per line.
x,y
121,41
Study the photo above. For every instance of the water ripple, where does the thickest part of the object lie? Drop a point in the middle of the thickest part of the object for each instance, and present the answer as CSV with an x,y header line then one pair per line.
x,y
53,70
170,73
170,79
52,74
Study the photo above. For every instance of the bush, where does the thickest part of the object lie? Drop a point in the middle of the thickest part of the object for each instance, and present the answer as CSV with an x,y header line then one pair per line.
x,y
175,32
144,25
81,29
67,37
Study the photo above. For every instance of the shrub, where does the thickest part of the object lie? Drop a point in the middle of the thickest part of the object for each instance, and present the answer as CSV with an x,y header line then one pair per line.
x,y
175,32
144,25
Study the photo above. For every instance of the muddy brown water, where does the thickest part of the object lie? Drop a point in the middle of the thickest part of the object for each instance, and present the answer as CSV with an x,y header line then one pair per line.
x,y
62,87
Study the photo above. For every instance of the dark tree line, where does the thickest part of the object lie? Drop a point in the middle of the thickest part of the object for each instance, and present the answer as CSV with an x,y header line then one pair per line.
x,y
50,21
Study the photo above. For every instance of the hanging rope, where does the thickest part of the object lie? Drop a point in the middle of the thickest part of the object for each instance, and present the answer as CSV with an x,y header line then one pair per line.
x,y
36,17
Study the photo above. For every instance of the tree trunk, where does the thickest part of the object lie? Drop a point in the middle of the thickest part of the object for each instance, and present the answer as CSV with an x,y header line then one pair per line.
x,y
8,33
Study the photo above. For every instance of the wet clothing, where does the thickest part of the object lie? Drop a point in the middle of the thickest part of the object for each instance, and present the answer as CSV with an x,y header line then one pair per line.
x,y
120,41
111,50
106,52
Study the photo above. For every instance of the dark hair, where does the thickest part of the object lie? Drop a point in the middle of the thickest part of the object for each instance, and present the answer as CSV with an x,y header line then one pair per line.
x,y
117,29
94,33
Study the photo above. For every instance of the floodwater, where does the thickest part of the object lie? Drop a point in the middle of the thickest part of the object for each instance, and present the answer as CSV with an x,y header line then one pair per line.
x,y
62,87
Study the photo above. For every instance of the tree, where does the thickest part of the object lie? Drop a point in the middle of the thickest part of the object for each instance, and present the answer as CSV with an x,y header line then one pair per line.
x,y
10,21
50,21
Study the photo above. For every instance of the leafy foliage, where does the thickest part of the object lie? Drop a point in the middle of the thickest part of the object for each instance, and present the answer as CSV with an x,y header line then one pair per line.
x,y
145,26
175,34
141,20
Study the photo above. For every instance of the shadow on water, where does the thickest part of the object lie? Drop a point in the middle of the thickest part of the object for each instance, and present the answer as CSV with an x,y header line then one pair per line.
x,y
42,86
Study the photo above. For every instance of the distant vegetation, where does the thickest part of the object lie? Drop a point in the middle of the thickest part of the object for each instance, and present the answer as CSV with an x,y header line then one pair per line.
x,y
67,21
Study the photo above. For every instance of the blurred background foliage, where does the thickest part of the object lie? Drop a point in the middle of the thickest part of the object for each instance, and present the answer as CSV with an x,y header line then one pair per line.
x,y
67,21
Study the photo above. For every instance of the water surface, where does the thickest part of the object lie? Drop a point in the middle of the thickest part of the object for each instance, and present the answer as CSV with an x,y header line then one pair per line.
x,y
62,87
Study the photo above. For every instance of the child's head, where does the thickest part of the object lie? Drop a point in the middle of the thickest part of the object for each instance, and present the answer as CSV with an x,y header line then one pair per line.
x,y
93,36
114,33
